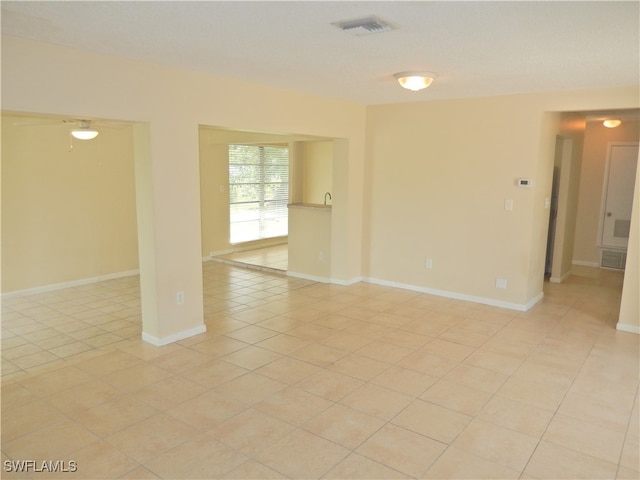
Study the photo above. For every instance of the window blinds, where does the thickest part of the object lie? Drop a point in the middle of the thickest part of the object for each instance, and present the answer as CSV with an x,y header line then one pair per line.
x,y
258,192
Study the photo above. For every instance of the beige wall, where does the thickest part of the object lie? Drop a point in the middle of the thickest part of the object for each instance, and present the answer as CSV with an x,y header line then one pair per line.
x,y
317,171
67,214
629,319
172,103
310,242
439,174
214,194
596,140
571,136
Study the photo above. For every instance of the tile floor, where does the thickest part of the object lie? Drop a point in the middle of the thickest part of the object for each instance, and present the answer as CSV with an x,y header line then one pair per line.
x,y
296,379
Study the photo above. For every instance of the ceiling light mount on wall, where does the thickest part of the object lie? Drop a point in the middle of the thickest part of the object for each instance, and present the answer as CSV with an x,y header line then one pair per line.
x,y
415,81
612,122
84,131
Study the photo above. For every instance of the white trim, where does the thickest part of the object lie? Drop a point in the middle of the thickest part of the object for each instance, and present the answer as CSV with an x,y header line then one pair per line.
x,y
72,283
459,296
582,263
625,327
561,279
346,283
333,281
304,276
174,337
533,302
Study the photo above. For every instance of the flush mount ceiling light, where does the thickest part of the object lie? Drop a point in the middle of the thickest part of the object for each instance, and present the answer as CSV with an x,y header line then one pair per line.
x,y
612,123
84,131
415,80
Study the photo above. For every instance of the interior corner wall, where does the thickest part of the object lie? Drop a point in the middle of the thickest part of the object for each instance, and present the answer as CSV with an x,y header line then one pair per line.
x,y
596,141
317,171
68,206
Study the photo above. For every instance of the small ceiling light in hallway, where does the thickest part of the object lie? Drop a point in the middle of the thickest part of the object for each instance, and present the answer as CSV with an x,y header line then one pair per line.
x,y
84,131
612,123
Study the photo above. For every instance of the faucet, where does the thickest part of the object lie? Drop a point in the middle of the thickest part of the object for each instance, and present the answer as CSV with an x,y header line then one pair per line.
x,y
325,197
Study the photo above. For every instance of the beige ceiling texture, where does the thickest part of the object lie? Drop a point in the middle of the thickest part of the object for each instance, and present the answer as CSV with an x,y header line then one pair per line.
x,y
477,48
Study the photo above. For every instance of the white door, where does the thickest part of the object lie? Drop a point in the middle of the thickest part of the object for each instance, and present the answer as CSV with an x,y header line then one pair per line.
x,y
620,178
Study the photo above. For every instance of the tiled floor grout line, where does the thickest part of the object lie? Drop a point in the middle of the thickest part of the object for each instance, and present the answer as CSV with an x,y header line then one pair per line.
x,y
626,433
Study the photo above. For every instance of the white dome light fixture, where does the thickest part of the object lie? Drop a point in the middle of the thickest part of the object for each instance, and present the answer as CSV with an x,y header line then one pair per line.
x,y
415,81
612,123
84,131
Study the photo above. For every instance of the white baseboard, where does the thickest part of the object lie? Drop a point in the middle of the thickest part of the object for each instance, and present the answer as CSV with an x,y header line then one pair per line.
x,y
304,276
560,279
73,283
459,296
583,263
174,337
532,303
346,283
625,327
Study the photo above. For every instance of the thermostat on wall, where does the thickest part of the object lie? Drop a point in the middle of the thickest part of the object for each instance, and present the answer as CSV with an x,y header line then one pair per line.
x,y
524,182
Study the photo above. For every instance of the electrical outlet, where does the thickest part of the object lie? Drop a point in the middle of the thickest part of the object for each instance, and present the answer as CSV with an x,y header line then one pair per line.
x,y
321,256
501,283
508,204
180,298
428,263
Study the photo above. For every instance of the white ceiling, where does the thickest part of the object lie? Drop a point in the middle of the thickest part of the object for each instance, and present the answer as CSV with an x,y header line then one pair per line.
x,y
477,48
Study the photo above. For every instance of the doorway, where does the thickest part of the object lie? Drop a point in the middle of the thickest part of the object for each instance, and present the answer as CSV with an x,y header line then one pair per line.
x,y
619,182
575,226
562,212
311,160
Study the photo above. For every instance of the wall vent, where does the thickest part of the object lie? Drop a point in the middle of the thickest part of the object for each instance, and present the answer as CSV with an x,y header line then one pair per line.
x,y
615,259
364,26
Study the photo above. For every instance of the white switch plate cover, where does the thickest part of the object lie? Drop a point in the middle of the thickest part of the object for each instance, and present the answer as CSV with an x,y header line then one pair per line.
x,y
508,204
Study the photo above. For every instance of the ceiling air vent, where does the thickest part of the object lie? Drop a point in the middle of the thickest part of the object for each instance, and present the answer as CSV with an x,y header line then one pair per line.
x,y
364,26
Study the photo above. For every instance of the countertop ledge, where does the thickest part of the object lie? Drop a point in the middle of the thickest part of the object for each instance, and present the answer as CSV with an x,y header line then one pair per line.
x,y
309,205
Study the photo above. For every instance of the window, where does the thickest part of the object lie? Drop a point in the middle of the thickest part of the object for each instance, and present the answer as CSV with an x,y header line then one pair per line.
x,y
258,192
